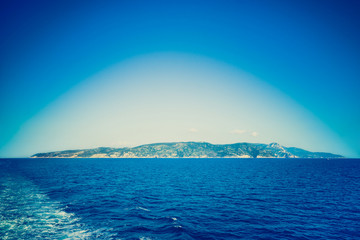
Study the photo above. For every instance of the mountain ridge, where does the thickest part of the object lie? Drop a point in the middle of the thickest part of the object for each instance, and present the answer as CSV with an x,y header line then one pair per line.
x,y
191,150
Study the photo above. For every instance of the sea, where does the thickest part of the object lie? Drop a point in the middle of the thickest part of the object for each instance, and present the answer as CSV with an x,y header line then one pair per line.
x,y
179,198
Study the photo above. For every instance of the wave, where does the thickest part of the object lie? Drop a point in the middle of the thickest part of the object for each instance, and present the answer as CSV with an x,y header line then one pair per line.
x,y
144,209
27,213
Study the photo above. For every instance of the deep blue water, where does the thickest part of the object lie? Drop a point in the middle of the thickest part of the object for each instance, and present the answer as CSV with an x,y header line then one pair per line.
x,y
179,199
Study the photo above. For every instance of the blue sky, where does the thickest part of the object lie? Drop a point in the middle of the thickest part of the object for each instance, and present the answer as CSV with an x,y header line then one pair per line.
x,y
309,51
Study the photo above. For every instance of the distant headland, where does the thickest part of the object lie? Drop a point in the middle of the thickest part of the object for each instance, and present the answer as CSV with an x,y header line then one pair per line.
x,y
191,150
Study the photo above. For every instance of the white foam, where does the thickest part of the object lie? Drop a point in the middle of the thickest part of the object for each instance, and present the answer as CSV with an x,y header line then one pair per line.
x,y
144,238
145,209
27,213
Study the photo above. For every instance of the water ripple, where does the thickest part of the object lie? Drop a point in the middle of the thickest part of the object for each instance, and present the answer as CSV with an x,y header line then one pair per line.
x,y
179,199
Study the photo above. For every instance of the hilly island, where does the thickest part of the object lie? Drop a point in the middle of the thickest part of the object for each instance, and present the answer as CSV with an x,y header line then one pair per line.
x,y
191,150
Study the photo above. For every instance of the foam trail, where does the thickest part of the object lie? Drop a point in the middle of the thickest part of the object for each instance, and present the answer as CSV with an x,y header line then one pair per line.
x,y
144,209
27,213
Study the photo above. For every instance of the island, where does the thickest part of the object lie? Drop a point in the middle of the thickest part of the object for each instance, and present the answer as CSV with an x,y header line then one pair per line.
x,y
191,150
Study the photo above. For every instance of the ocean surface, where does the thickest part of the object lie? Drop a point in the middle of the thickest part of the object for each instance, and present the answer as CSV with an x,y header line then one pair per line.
x,y
179,199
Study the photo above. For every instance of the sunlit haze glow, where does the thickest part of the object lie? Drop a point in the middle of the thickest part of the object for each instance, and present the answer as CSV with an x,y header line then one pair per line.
x,y
83,74
169,97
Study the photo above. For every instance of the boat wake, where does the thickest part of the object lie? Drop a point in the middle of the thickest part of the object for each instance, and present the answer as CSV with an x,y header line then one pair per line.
x,y
27,213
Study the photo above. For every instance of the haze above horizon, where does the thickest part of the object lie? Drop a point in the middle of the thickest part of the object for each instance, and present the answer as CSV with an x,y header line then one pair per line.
x,y
83,75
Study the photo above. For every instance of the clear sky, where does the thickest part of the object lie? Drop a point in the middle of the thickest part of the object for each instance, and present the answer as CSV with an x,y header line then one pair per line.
x,y
100,73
